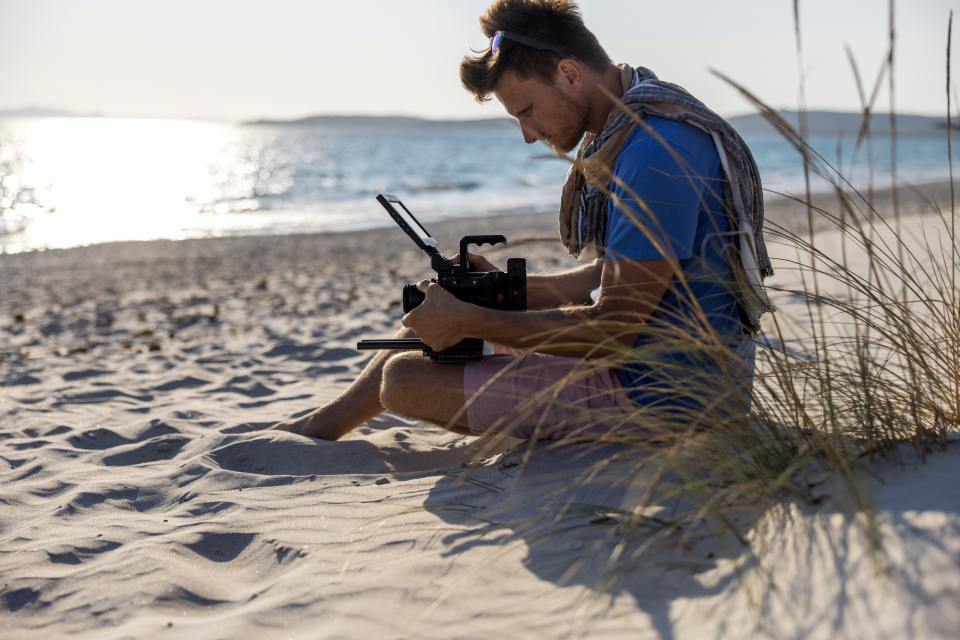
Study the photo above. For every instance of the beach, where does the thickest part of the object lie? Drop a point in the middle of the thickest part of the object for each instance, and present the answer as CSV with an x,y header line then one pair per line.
x,y
142,498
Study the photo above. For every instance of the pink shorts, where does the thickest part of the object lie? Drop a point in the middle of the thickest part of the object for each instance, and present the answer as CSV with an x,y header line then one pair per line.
x,y
545,397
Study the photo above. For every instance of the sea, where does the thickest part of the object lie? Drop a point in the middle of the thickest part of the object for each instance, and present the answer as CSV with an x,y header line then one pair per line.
x,y
69,182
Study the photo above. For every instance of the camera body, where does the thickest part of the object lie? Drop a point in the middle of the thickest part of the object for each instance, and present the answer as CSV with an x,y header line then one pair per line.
x,y
506,291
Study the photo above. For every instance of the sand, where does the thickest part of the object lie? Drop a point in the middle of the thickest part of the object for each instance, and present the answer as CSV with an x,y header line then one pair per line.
x,y
141,499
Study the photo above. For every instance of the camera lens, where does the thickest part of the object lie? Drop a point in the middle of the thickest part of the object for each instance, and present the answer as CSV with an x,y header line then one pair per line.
x,y
412,297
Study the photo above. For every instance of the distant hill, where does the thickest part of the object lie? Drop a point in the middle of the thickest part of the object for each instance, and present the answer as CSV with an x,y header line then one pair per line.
x,y
41,112
832,123
395,123
820,123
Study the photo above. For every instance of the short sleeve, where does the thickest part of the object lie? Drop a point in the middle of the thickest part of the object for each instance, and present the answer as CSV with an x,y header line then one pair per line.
x,y
667,226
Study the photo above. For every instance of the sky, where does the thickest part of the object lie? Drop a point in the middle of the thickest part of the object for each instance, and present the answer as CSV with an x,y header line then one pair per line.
x,y
242,60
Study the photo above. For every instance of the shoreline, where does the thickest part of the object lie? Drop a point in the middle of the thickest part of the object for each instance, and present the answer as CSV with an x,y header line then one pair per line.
x,y
779,209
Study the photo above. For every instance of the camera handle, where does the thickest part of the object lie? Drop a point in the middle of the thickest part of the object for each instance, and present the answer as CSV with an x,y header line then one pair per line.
x,y
477,240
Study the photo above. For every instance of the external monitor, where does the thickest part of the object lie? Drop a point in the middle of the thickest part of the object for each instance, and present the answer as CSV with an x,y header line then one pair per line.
x,y
407,222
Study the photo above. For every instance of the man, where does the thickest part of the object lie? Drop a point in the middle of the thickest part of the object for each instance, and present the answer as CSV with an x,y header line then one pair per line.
x,y
663,205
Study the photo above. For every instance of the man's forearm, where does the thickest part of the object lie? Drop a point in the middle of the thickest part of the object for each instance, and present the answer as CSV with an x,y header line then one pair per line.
x,y
629,292
553,290
573,331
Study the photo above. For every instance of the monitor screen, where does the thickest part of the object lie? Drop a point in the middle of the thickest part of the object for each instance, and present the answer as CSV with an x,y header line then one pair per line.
x,y
412,222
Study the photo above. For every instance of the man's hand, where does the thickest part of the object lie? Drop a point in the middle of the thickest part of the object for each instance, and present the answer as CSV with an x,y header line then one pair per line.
x,y
477,262
439,320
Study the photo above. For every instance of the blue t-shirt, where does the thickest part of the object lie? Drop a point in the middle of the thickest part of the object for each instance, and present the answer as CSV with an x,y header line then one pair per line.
x,y
689,223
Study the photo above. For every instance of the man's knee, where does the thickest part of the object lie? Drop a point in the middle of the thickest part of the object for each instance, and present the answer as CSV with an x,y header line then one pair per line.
x,y
399,383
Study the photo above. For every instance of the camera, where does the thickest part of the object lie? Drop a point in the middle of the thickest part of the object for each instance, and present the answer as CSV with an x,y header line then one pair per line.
x,y
490,289
506,291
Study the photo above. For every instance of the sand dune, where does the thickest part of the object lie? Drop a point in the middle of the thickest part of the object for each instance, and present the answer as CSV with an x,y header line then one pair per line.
x,y
141,499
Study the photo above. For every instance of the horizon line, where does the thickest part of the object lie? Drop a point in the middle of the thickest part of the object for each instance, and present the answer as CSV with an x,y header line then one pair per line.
x,y
53,112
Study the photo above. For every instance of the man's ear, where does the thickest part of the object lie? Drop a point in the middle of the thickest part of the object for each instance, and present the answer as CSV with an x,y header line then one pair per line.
x,y
569,75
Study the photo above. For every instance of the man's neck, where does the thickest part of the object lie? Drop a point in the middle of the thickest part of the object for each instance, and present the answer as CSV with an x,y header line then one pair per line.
x,y
600,103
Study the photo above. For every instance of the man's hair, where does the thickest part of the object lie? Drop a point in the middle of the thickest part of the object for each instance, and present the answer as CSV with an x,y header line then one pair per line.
x,y
555,22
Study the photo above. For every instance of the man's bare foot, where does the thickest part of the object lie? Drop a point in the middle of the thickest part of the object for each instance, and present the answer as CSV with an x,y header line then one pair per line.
x,y
304,425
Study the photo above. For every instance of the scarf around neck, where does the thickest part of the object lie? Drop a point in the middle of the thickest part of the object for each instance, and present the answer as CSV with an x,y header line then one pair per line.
x,y
584,198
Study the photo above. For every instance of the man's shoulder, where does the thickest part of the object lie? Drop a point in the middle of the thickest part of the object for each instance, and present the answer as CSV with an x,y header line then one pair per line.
x,y
683,138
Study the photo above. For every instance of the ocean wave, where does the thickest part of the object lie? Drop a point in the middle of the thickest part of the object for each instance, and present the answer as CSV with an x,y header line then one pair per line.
x,y
415,186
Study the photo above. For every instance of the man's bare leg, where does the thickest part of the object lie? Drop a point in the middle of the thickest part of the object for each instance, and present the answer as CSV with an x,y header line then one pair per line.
x,y
353,407
417,388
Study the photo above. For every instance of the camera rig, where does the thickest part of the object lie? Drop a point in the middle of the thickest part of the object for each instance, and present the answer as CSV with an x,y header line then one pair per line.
x,y
489,289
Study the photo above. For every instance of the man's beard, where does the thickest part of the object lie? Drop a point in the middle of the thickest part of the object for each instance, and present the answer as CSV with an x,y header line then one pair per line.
x,y
570,131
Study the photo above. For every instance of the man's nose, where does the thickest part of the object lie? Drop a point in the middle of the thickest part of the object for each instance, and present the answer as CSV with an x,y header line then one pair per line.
x,y
530,133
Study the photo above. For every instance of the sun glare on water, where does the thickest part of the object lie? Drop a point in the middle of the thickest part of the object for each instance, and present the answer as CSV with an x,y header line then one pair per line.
x,y
103,175
110,179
